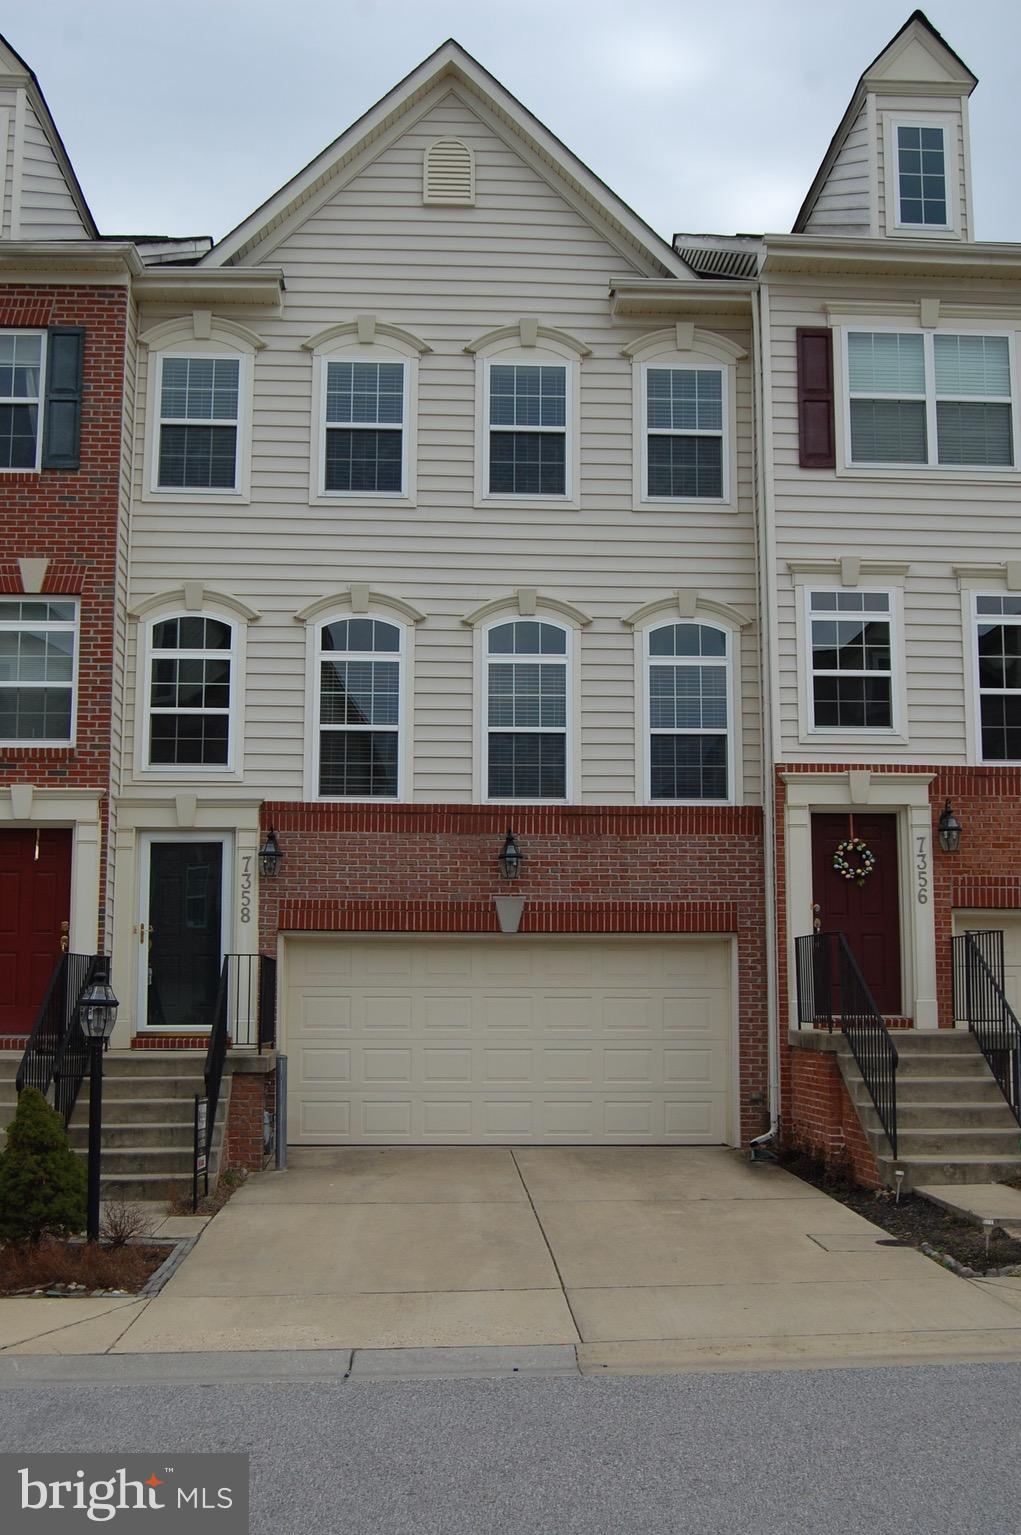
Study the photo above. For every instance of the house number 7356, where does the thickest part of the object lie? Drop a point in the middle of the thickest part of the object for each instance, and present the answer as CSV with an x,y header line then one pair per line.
x,y
922,872
246,888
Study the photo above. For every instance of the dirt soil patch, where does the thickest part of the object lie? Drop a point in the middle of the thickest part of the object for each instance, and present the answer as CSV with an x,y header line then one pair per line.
x,y
76,1268
914,1220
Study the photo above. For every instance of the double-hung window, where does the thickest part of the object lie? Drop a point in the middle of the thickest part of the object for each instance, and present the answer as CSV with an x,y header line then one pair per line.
x,y
198,423
526,711
998,643
851,684
364,428
684,434
190,680
924,399
21,383
359,668
689,714
527,423
38,643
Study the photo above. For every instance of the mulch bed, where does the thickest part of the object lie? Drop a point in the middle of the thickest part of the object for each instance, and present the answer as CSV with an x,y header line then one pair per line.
x,y
76,1268
914,1220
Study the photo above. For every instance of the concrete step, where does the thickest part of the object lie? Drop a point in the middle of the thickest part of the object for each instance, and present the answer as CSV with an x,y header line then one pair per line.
x,y
945,1116
136,1160
935,1169
147,1063
940,1063
942,1041
949,1143
127,1111
162,1086
959,1090
140,1188
171,1133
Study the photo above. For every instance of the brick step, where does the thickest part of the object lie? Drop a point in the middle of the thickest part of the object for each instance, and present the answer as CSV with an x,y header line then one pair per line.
x,y
944,1116
961,1169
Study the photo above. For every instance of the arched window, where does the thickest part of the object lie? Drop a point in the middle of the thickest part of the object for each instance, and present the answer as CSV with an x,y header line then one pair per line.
x,y
360,664
685,384
689,712
527,710
191,691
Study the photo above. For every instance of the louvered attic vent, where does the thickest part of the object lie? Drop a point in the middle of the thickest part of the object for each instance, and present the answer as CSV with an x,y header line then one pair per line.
x,y
448,174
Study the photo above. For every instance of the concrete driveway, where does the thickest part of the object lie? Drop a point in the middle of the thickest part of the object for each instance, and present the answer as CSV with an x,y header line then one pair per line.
x,y
640,1257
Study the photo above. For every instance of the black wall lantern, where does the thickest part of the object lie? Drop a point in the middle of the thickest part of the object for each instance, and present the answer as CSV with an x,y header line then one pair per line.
x,y
510,859
270,855
949,830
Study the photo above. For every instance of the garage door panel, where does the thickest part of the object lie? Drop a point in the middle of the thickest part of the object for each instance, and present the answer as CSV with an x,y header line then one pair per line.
x,y
566,1057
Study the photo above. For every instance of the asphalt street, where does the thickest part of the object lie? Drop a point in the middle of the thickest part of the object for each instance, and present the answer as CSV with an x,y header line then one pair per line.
x,y
917,1450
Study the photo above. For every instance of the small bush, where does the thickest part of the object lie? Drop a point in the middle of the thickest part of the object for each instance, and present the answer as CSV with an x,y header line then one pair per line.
x,y
42,1182
120,1222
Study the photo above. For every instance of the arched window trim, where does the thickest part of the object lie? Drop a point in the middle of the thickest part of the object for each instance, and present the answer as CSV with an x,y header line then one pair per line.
x,y
527,344
684,348
572,659
200,335
184,772
348,347
643,731
313,691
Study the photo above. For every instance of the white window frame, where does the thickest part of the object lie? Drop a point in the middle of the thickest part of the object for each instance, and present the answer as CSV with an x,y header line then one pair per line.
x,y
63,625
896,732
932,468
891,163
975,689
313,692
218,346
688,364
39,401
188,772
683,346
643,728
547,353
571,662
353,351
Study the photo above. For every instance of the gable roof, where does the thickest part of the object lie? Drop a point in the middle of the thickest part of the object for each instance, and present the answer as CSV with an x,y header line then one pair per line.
x,y
15,72
452,63
927,55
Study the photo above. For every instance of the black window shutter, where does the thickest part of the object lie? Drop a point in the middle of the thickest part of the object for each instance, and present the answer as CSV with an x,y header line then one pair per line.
x,y
62,421
817,447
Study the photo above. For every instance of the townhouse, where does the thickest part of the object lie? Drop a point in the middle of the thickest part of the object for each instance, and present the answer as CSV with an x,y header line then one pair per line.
x,y
523,635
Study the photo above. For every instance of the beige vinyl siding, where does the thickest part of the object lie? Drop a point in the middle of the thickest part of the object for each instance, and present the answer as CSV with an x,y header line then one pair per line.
x,y
449,276
958,170
930,521
48,210
8,103
843,204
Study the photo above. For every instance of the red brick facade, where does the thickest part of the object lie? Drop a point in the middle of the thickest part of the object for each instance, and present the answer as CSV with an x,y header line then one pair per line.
x,y
251,1095
70,519
822,1121
598,869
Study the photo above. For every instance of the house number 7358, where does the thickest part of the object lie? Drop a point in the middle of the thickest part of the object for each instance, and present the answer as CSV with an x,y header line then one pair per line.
x,y
246,888
922,871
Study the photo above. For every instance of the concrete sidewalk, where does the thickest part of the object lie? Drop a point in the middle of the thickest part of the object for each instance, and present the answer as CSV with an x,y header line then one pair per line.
x,y
634,1258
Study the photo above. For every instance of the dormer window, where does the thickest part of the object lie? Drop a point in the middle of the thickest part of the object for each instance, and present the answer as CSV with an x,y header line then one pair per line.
x,y
921,177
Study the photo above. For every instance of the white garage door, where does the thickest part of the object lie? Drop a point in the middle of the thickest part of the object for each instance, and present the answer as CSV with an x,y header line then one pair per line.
x,y
509,1040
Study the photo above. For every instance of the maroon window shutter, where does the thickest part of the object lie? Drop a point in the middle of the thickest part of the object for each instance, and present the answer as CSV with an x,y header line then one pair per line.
x,y
816,441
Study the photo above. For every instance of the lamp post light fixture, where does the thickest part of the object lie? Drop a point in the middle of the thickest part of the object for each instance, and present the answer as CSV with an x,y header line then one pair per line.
x,y
270,855
949,830
98,1014
510,859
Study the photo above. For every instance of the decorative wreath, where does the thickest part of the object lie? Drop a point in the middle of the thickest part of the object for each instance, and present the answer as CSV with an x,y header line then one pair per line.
x,y
854,847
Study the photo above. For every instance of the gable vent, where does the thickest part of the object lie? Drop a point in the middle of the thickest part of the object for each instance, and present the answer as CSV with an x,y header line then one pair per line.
x,y
448,173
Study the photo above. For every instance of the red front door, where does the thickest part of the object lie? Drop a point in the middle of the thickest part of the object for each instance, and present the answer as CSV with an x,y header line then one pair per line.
x,y
35,910
868,915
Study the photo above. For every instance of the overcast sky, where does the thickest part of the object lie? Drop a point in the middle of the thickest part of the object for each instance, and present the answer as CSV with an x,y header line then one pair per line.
x,y
182,117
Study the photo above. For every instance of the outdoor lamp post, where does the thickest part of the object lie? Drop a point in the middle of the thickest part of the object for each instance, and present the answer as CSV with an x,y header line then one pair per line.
x,y
98,1013
510,859
949,830
270,855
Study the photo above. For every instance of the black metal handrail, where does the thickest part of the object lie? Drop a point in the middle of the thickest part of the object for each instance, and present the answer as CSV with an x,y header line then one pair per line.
x,y
56,1052
831,988
979,999
251,999
216,1051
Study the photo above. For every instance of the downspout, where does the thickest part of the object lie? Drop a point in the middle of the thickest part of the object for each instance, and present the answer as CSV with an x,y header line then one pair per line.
x,y
765,562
